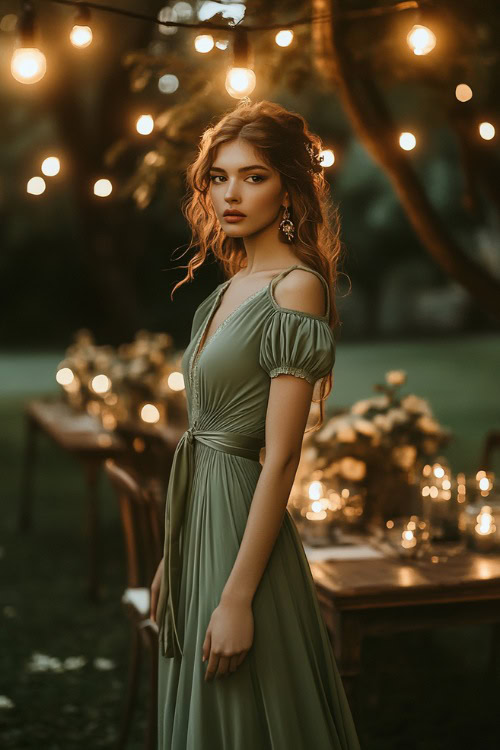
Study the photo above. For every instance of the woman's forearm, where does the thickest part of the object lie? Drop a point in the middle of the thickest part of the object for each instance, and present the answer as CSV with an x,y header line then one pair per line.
x,y
263,524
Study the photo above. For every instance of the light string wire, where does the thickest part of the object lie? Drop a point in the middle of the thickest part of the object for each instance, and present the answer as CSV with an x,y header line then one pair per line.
x,y
346,15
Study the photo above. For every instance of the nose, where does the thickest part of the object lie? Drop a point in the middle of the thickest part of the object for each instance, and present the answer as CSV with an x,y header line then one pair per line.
x,y
231,195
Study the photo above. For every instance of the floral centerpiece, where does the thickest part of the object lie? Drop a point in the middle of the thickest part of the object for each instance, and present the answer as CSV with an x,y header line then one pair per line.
x,y
135,382
374,451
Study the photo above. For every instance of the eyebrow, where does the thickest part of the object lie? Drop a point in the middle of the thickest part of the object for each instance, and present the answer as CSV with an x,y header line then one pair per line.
x,y
243,169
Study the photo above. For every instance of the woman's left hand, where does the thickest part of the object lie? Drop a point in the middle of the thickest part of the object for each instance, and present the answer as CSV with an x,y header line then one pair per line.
x,y
228,639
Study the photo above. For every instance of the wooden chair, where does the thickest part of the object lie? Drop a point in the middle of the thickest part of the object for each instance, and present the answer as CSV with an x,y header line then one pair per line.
x,y
141,511
491,444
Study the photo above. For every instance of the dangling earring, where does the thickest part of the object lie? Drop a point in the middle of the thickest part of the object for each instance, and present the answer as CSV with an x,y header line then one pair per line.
x,y
287,226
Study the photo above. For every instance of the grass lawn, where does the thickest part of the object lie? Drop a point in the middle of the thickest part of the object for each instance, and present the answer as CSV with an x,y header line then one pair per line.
x,y
418,691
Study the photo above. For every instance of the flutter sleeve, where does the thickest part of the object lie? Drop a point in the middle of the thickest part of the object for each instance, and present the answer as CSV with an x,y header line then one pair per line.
x,y
297,343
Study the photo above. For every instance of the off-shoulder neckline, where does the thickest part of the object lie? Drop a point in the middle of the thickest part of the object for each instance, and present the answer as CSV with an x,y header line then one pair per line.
x,y
269,294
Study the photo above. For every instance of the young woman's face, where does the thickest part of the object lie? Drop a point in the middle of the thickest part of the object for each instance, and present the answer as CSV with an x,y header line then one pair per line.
x,y
241,181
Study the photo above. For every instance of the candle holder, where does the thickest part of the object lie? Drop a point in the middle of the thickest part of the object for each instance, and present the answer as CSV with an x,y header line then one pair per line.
x,y
441,501
408,536
324,508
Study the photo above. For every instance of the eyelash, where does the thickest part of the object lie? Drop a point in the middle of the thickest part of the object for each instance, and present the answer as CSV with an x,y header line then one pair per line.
x,y
213,177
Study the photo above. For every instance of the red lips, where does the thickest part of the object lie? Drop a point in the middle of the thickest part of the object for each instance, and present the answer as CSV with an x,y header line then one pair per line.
x,y
231,212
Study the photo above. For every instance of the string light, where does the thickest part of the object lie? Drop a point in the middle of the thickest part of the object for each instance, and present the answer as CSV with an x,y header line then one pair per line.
x,y
145,125
204,43
168,83
284,38
487,131
36,186
327,158
407,141
103,188
463,92
421,40
51,166
240,78
81,33
28,64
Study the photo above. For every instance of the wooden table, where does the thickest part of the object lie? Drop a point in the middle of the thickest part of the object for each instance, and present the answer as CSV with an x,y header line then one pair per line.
x,y
391,595
82,436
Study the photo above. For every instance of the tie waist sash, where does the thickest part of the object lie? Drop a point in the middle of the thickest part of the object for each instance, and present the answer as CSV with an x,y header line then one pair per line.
x,y
178,491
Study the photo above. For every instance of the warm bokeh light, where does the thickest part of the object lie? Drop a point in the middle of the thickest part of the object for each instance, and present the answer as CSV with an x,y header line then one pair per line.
x,y
145,125
167,14
183,10
81,36
150,414
8,23
64,376
407,141
103,188
487,131
421,40
284,38
168,83
240,82
51,166
327,157
28,65
463,92
36,186
100,383
175,381
204,43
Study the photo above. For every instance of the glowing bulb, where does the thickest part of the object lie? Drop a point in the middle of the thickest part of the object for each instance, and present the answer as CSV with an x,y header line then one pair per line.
x,y
407,141
421,40
103,188
51,166
168,83
484,484
145,124
150,414
204,43
487,131
327,157
463,92
175,381
65,376
28,65
240,82
36,186
81,36
100,383
485,521
284,38
183,11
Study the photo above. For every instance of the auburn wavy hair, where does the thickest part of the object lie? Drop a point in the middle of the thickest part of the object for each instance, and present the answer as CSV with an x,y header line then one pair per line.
x,y
281,138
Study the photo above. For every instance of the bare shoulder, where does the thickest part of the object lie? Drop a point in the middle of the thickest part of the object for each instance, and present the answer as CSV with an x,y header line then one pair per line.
x,y
303,291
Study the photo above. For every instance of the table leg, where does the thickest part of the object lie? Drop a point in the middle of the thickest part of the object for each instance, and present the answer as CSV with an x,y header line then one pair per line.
x,y
91,470
347,644
25,517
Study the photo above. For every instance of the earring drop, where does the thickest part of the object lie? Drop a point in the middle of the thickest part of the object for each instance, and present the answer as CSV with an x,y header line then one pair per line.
x,y
287,226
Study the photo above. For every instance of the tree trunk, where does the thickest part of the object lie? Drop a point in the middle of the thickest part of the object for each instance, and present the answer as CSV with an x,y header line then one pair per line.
x,y
376,129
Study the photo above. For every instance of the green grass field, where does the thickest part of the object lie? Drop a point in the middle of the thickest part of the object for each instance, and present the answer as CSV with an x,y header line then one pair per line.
x,y
418,691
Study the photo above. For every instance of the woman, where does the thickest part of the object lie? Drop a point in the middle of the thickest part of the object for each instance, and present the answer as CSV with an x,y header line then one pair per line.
x,y
245,659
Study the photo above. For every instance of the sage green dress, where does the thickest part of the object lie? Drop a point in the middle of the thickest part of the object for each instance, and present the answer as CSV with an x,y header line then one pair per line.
x,y
287,693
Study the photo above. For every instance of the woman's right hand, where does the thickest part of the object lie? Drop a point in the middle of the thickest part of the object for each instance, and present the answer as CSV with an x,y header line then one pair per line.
x,y
155,591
